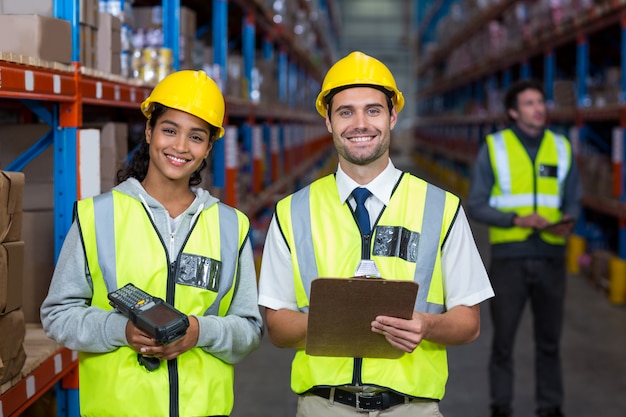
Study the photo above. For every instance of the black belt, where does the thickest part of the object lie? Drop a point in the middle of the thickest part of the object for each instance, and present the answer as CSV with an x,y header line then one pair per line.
x,y
362,401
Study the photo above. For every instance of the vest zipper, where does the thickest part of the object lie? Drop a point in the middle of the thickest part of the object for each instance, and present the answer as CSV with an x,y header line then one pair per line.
x,y
172,367
356,375
358,362
365,246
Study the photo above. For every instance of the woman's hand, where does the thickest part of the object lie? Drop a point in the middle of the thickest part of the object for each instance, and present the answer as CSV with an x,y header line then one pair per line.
x,y
147,346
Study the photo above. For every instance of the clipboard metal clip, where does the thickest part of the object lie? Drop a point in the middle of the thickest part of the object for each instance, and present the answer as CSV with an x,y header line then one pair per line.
x,y
367,269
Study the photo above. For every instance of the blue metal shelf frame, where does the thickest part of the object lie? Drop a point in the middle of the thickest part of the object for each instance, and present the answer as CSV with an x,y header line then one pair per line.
x,y
220,56
171,29
249,43
549,68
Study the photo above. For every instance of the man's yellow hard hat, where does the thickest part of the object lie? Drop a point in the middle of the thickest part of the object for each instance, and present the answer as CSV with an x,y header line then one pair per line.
x,y
358,69
190,91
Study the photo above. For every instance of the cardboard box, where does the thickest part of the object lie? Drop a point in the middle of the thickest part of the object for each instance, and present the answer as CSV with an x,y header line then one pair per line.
x,y
38,235
88,46
113,151
36,36
109,44
12,355
109,32
11,197
88,9
11,275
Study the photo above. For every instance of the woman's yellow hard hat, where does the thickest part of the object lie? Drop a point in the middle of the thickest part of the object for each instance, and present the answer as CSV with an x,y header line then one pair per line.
x,y
190,91
358,69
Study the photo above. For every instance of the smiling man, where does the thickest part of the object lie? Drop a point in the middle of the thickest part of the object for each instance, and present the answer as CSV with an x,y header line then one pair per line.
x,y
370,216
525,186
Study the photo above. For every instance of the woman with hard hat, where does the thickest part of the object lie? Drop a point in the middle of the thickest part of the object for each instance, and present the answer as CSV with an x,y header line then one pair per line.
x,y
371,219
175,241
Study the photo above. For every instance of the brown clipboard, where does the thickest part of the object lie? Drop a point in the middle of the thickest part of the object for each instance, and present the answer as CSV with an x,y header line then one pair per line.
x,y
341,311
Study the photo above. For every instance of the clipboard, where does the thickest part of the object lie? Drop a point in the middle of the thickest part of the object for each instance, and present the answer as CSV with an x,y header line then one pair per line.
x,y
341,311
560,222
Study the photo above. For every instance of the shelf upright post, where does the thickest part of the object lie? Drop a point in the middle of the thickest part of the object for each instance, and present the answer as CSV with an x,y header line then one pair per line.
x,y
268,127
66,119
275,141
224,175
283,75
619,170
283,87
506,79
171,29
549,64
248,148
267,151
292,84
479,94
580,130
249,42
252,132
525,72
257,158
582,71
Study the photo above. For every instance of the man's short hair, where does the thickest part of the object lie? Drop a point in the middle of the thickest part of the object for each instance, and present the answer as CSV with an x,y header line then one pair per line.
x,y
510,97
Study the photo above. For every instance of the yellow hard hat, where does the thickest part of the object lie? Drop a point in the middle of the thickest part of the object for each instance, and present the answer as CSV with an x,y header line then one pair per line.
x,y
190,91
358,69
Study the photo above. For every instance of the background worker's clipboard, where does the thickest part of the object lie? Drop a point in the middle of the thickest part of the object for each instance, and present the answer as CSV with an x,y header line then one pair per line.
x,y
341,311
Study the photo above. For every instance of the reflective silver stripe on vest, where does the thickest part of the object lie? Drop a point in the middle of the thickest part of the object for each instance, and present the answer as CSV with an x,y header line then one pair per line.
x,y
428,248
303,235
105,238
564,159
502,163
229,245
426,256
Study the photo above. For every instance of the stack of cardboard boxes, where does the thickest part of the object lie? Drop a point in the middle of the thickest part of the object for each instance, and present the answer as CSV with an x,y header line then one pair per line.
x,y
28,28
12,354
38,198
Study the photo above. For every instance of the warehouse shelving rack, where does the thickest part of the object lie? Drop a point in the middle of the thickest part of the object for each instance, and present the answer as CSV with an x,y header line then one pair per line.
x,y
58,94
444,133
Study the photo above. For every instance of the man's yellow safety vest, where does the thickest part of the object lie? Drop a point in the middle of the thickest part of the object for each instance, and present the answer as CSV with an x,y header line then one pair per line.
x,y
324,241
523,187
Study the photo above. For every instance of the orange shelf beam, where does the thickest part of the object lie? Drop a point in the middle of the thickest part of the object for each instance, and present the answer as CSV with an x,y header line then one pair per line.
x,y
21,395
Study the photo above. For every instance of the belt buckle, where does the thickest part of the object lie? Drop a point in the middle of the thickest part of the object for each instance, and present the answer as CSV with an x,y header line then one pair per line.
x,y
358,396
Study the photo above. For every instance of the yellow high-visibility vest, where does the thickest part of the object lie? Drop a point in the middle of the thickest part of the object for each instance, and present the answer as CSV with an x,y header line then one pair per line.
x,y
523,187
324,241
121,245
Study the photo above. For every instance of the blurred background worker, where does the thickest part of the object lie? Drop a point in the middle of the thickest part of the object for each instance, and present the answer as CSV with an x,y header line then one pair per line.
x,y
525,186
175,241
372,219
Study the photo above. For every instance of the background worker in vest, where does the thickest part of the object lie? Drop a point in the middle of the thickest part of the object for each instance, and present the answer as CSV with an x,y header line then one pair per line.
x,y
525,180
360,103
175,241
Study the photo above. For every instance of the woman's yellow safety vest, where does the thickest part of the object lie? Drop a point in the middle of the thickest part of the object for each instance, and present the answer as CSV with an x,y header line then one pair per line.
x,y
122,245
524,188
325,241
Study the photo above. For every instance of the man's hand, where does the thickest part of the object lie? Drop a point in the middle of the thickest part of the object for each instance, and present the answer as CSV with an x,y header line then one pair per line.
x,y
532,221
457,326
147,346
402,334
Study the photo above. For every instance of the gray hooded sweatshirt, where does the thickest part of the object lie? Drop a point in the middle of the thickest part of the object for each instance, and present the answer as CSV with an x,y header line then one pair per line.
x,y
68,317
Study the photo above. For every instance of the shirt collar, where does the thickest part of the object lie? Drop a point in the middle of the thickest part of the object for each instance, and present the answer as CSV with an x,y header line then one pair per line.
x,y
381,186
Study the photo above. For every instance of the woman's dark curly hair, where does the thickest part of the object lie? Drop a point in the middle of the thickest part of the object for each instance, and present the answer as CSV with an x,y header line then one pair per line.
x,y
138,166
